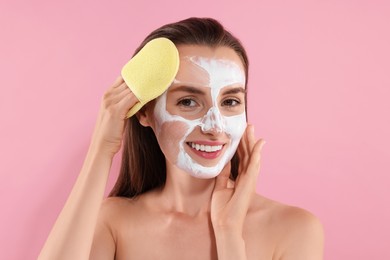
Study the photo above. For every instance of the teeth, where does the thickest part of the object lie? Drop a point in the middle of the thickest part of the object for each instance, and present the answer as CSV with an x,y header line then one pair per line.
x,y
206,148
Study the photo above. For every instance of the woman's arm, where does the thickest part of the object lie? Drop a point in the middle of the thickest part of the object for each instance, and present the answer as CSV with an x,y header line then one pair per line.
x,y
72,234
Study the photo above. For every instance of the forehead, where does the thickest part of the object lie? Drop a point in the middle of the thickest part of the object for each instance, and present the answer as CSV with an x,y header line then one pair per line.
x,y
220,52
207,66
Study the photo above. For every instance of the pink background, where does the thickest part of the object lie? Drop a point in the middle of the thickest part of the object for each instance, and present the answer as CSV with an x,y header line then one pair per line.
x,y
319,94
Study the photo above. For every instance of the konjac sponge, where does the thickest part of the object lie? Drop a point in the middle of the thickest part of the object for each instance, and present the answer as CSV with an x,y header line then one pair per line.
x,y
151,71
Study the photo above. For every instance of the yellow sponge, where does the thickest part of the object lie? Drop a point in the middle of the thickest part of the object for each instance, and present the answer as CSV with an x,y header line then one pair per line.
x,y
151,71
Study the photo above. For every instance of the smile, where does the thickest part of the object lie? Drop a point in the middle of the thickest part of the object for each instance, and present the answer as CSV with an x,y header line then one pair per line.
x,y
205,148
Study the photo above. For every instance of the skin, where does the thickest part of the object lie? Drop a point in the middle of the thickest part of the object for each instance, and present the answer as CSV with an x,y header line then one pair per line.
x,y
189,218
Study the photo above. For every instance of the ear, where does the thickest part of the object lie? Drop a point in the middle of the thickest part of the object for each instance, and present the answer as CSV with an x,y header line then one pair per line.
x,y
143,117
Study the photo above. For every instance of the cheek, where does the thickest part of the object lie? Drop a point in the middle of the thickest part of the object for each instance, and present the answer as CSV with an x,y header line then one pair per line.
x,y
235,126
170,136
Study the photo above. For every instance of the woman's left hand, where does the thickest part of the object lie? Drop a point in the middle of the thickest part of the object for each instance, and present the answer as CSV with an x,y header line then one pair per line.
x,y
229,206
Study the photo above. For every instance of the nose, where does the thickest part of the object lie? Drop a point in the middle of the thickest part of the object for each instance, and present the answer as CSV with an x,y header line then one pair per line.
x,y
213,121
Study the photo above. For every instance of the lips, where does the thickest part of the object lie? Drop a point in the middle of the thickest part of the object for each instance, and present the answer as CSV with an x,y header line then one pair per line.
x,y
207,150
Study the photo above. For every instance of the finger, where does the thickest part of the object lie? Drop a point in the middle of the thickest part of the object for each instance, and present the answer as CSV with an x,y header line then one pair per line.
x,y
113,92
242,151
116,88
221,181
114,95
253,169
242,155
247,185
118,81
126,104
122,87
249,144
126,92
242,165
251,138
248,181
241,145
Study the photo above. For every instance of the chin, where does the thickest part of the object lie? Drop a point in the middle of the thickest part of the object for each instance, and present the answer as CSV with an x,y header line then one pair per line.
x,y
197,170
204,175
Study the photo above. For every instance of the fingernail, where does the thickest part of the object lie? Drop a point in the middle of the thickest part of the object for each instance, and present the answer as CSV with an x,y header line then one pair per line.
x,y
262,144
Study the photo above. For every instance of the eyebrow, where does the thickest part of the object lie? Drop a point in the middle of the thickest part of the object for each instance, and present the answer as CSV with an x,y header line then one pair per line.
x,y
189,89
234,91
195,90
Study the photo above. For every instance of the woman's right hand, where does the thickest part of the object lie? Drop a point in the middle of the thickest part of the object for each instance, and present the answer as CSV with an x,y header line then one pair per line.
x,y
111,121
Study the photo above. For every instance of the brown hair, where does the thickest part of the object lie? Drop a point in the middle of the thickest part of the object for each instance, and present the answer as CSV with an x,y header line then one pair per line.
x,y
143,163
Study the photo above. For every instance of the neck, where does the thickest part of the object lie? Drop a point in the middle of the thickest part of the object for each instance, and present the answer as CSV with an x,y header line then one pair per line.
x,y
185,194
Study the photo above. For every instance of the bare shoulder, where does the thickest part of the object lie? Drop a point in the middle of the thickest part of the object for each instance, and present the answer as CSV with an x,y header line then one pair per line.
x,y
116,206
299,233
115,202
120,210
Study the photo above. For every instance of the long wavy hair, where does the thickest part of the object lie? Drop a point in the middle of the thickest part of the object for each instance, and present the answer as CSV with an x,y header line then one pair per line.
x,y
143,163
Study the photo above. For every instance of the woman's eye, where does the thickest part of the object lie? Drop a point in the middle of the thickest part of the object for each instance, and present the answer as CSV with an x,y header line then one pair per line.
x,y
230,102
187,102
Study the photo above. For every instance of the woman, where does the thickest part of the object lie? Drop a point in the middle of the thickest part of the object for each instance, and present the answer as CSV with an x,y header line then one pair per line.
x,y
183,190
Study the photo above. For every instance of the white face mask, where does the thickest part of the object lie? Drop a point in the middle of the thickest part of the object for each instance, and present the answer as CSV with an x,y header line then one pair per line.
x,y
221,73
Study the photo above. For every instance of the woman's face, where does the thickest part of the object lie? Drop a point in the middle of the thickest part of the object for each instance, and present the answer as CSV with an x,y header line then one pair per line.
x,y
200,119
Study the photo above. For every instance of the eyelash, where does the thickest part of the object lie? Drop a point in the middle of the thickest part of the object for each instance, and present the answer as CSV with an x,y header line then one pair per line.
x,y
184,102
237,102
